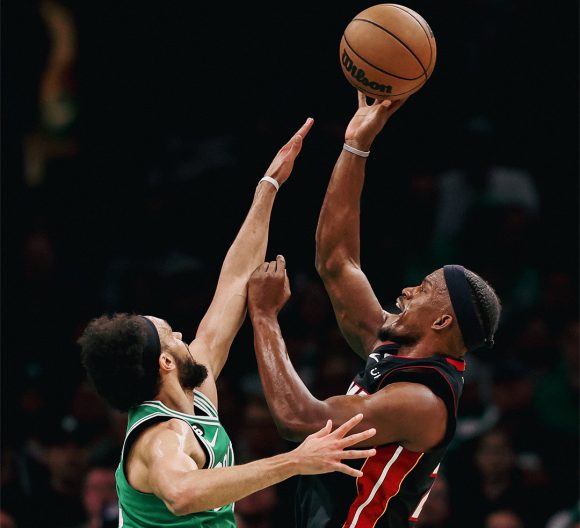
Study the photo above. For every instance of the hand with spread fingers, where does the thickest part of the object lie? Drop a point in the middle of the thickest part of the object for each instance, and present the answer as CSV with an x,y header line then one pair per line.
x,y
323,451
283,162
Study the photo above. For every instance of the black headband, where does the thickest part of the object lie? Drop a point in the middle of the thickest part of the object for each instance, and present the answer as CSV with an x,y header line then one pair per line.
x,y
152,349
460,295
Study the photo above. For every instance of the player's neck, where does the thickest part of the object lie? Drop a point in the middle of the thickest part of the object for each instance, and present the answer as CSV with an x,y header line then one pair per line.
x,y
173,395
425,348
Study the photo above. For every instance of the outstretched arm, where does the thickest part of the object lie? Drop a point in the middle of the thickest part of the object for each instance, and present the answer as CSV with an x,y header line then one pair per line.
x,y
175,478
227,310
357,309
407,413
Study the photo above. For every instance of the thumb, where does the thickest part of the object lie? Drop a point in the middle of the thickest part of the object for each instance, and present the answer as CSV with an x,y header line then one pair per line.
x,y
280,263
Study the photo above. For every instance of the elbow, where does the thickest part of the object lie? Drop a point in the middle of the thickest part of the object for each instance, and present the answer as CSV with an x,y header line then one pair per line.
x,y
320,263
329,265
332,267
181,510
180,502
291,432
297,427
176,503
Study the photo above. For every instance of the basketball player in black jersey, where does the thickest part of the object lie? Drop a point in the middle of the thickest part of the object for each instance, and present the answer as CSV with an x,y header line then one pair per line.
x,y
411,384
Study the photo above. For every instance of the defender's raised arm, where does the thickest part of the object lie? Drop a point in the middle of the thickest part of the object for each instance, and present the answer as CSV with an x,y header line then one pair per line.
x,y
227,310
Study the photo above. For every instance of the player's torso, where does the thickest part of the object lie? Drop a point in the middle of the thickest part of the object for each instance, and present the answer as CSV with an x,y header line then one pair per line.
x,y
145,510
396,481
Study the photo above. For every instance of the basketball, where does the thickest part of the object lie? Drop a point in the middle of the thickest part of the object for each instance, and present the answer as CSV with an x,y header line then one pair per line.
x,y
388,51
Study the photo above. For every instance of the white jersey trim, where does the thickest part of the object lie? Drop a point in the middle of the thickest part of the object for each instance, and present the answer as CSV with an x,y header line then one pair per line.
x,y
160,405
138,422
183,416
208,403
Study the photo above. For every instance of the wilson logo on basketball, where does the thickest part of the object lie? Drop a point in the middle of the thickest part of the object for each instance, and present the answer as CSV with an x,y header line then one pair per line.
x,y
360,76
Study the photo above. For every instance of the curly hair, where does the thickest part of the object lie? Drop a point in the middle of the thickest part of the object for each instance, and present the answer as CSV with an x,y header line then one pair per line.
x,y
487,304
112,355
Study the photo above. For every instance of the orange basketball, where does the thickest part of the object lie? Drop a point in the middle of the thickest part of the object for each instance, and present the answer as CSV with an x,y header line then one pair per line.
x,y
388,51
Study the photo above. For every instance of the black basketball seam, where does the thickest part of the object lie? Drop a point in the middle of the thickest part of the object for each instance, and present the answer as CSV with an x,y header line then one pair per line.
x,y
429,36
379,69
389,95
374,95
400,41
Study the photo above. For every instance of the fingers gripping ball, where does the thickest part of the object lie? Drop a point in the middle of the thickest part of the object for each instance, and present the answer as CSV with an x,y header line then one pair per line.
x,y
388,51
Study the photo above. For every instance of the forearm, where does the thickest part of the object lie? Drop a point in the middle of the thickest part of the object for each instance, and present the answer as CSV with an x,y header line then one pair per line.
x,y
249,247
212,488
295,410
338,230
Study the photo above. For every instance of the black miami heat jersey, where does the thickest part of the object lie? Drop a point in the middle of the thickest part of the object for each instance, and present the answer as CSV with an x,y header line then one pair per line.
x,y
396,481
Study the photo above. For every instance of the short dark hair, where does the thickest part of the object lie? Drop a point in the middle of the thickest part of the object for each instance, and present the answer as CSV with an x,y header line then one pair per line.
x,y
487,304
112,354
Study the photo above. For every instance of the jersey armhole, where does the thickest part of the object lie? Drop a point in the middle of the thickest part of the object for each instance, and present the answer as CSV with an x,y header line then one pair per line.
x,y
132,437
436,382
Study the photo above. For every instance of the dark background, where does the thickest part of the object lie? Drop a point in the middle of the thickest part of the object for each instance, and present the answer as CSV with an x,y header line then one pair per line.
x,y
126,179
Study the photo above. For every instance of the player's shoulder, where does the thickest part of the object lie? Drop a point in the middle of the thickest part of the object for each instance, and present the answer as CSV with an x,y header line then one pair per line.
x,y
171,432
163,441
420,414
172,427
407,395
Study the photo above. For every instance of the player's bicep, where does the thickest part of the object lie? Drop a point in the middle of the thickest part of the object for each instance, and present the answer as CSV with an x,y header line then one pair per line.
x,y
221,323
407,413
168,462
356,307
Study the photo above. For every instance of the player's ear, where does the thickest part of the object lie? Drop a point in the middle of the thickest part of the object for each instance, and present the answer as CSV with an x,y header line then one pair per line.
x,y
443,321
166,362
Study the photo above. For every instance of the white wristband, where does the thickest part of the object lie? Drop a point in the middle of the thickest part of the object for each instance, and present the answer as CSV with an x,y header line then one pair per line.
x,y
272,181
356,152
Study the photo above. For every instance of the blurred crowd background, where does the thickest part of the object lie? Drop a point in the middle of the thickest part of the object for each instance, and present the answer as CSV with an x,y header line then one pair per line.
x,y
133,136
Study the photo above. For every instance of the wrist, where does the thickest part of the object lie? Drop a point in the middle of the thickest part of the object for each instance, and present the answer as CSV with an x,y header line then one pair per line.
x,y
356,152
271,182
290,461
358,144
259,314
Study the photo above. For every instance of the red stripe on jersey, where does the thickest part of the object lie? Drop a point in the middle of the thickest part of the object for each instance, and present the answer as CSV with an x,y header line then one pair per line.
x,y
458,364
358,392
383,475
435,471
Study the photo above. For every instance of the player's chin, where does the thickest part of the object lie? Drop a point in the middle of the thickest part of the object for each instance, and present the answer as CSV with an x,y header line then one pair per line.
x,y
393,329
386,333
391,319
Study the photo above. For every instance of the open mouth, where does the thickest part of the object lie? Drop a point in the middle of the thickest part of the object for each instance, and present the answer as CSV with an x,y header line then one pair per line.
x,y
399,304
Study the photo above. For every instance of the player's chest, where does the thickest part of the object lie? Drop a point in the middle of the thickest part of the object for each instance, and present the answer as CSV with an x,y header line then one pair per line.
x,y
214,447
377,369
